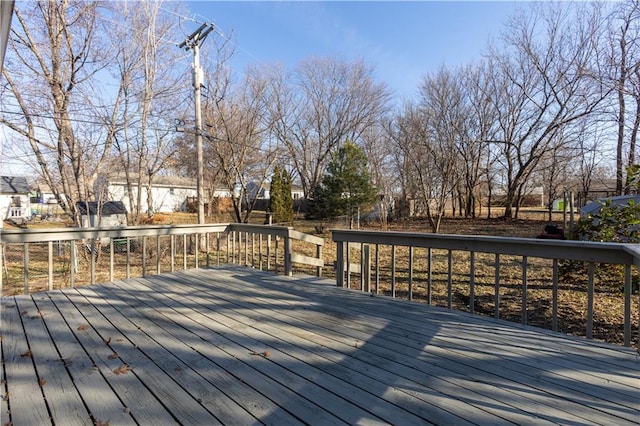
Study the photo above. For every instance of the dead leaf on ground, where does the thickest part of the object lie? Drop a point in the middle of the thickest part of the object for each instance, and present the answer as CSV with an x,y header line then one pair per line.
x,y
27,354
101,423
113,355
123,369
83,327
42,382
107,341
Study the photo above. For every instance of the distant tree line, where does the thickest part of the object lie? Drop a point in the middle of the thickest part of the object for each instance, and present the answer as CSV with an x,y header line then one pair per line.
x,y
95,88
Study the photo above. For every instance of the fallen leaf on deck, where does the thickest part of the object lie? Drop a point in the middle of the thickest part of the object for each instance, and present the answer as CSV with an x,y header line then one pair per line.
x,y
101,423
123,369
26,354
113,355
42,382
107,341
83,327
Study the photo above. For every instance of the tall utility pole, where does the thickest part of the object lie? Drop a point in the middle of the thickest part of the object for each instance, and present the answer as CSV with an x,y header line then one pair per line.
x,y
193,42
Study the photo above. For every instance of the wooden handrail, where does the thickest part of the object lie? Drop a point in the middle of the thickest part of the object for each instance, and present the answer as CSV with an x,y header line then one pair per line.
x,y
584,251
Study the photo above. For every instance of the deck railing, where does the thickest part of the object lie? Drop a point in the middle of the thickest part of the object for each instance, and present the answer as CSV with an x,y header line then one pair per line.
x,y
44,259
493,269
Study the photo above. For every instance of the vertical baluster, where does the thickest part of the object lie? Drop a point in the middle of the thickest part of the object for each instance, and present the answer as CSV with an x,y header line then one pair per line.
x,y
627,305
472,282
554,295
496,290
208,236
172,249
111,259
410,273
524,289
393,271
72,260
184,252
92,261
590,295
49,265
144,256
25,259
128,257
377,269
449,279
429,259
158,254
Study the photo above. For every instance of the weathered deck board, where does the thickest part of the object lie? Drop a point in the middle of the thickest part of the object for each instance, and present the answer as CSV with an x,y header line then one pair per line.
x,y
237,346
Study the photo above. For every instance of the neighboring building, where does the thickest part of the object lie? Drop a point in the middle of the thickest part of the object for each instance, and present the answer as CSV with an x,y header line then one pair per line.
x,y
14,198
169,193
45,194
110,213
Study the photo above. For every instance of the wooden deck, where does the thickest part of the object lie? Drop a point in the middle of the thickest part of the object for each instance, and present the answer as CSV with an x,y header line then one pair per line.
x,y
235,346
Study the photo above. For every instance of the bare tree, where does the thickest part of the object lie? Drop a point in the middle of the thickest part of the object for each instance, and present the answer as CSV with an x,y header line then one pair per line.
x,y
52,64
239,142
426,144
146,61
323,103
544,84
624,77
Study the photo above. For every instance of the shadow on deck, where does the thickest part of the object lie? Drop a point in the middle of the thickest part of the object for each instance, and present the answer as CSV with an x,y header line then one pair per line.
x,y
233,345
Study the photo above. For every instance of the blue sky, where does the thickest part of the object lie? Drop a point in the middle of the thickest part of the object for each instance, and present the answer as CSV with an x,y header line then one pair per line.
x,y
402,40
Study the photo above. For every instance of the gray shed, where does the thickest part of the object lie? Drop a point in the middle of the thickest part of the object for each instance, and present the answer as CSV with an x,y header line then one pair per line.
x,y
109,213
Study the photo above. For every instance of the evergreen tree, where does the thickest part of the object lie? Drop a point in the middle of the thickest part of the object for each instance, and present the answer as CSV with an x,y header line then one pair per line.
x,y
346,184
280,199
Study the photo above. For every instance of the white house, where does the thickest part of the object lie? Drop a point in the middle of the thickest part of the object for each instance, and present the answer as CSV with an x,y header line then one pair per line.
x,y
169,193
14,198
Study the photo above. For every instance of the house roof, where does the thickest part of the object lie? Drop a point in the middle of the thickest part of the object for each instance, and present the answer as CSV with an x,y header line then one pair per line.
x,y
108,208
14,185
169,181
